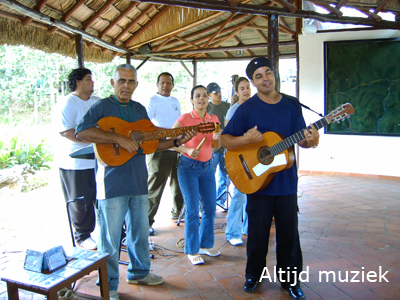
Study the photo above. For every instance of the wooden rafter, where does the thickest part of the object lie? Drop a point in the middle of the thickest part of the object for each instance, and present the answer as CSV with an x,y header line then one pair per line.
x,y
240,43
133,23
232,3
332,9
163,43
210,28
285,28
342,3
220,49
162,11
38,7
68,14
119,18
235,31
219,30
372,15
262,10
381,5
262,36
97,14
289,6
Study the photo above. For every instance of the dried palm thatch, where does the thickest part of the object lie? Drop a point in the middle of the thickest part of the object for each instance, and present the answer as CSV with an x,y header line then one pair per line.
x,y
14,33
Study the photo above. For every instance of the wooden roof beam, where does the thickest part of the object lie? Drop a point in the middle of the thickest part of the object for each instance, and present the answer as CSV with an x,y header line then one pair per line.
x,y
289,6
232,3
164,43
189,36
262,36
188,27
332,9
134,22
282,27
202,39
162,11
219,30
372,15
68,14
38,7
97,14
381,5
119,18
240,43
262,10
219,49
342,3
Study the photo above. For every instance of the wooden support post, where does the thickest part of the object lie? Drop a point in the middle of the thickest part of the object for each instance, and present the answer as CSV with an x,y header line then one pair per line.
x,y
273,47
142,63
128,58
79,51
194,72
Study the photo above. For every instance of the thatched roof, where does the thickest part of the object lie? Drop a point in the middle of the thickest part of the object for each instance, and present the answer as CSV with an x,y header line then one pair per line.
x,y
175,29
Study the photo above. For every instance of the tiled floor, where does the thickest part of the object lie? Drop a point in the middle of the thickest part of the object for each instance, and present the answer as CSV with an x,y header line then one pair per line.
x,y
348,225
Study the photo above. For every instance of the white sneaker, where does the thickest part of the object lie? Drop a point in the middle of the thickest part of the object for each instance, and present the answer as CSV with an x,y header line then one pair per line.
x,y
195,259
88,244
209,251
114,295
236,242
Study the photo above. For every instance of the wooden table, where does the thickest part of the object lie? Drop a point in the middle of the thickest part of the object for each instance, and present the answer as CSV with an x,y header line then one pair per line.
x,y
83,262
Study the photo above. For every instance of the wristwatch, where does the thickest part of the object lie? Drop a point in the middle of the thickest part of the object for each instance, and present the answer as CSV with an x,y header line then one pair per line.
x,y
176,143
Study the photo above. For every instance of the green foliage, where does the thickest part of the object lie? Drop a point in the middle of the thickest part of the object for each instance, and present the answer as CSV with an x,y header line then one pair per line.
x,y
18,151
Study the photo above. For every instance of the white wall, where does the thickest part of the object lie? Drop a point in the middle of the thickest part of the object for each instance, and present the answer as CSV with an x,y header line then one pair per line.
x,y
374,155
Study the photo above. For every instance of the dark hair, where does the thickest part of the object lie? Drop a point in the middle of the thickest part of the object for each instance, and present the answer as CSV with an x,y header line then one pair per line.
x,y
167,74
75,75
238,81
195,88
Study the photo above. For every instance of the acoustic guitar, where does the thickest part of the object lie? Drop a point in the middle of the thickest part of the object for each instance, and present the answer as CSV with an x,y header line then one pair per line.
x,y
143,132
251,167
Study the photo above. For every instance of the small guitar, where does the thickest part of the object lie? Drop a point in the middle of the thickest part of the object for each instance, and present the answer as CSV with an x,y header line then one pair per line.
x,y
143,132
251,167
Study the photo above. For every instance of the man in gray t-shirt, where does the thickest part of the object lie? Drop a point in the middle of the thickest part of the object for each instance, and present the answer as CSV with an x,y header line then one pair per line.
x,y
217,107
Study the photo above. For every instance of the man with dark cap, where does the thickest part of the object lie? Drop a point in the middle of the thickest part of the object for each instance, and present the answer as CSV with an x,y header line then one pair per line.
x,y
219,108
266,111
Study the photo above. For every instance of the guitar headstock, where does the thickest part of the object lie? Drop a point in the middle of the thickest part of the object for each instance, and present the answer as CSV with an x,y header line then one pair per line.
x,y
339,114
206,127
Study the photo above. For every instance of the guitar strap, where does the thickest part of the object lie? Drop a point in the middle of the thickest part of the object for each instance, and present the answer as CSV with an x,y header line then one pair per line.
x,y
130,110
294,100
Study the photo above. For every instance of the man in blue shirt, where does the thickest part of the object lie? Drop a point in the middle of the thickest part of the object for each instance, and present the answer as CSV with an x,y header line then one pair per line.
x,y
122,193
266,111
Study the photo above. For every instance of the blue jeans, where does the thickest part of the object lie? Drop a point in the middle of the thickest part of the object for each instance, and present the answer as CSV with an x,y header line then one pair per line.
x,y
235,227
197,180
111,214
223,178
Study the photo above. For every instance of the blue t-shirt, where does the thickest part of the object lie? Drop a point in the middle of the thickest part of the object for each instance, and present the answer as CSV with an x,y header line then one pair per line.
x,y
129,178
284,117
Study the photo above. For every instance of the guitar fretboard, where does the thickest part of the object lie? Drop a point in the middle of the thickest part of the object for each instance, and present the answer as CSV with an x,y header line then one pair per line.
x,y
160,134
294,138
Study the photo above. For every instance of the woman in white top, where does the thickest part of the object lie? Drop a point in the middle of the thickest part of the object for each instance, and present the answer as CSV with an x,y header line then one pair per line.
x,y
235,228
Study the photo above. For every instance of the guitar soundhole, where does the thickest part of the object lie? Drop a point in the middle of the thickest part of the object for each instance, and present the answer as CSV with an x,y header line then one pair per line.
x,y
264,155
137,136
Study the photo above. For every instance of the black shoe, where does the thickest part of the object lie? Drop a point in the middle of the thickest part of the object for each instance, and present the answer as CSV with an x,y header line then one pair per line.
x,y
296,293
151,231
250,285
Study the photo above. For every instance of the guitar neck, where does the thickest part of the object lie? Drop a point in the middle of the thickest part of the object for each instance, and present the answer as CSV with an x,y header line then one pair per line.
x,y
295,138
164,133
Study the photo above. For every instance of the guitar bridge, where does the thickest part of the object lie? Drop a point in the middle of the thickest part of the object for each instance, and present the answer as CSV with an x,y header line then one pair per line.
x,y
115,145
245,167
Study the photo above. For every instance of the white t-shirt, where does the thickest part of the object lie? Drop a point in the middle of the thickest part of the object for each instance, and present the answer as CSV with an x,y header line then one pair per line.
x,y
163,111
69,111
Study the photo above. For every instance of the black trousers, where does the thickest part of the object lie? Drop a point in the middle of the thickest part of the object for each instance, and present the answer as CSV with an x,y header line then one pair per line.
x,y
81,185
260,210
